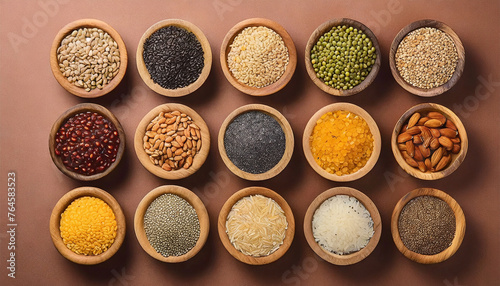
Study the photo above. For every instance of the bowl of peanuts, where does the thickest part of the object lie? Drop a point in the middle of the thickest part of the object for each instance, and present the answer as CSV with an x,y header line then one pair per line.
x,y
258,56
88,58
172,141
429,141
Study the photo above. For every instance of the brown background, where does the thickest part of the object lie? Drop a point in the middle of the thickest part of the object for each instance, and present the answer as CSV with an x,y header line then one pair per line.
x,y
31,100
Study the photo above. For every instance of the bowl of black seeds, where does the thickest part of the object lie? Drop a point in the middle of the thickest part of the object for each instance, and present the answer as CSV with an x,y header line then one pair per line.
x,y
427,225
174,57
256,142
427,58
171,224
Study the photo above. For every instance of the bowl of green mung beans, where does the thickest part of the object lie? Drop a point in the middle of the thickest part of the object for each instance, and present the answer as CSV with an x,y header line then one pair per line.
x,y
427,58
171,224
342,57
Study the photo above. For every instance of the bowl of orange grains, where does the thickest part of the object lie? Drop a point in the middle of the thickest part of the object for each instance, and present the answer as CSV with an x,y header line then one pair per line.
x,y
341,142
87,226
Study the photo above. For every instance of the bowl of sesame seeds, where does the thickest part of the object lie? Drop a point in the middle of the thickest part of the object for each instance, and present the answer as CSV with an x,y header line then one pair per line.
x,y
171,224
258,56
88,58
87,225
174,57
427,58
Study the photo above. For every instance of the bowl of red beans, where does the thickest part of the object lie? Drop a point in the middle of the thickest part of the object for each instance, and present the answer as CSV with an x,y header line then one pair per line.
x,y
86,142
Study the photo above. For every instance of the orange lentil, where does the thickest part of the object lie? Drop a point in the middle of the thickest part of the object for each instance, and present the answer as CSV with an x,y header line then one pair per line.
x,y
341,142
88,226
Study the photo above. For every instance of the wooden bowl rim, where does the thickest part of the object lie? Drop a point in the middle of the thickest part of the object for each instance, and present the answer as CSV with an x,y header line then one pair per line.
x,y
198,160
322,29
347,259
144,73
83,107
457,159
193,200
61,206
458,70
459,232
63,81
289,142
287,39
289,234
377,141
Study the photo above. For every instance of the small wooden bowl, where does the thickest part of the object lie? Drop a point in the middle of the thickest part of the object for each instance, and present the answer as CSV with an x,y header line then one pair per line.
x,y
60,207
193,200
456,159
377,141
79,108
63,81
331,257
198,160
287,129
324,28
458,70
144,73
290,231
459,231
292,54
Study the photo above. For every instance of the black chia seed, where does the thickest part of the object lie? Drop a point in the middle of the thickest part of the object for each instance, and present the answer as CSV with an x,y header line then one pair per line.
x,y
254,142
174,57
427,225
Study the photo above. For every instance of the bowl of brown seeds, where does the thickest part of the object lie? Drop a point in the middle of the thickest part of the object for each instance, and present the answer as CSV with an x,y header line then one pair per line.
x,y
172,141
171,224
258,56
88,58
427,58
429,141
427,225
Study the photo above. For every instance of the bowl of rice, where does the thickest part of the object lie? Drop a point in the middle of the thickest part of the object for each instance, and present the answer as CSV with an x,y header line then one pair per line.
x,y
256,226
342,225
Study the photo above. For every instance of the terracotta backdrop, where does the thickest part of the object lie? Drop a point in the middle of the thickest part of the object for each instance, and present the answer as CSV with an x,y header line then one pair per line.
x,y
31,100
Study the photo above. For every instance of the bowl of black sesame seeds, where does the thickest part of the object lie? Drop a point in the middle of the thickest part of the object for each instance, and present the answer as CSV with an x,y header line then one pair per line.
x,y
258,56
171,224
427,225
427,58
255,142
88,58
342,57
174,57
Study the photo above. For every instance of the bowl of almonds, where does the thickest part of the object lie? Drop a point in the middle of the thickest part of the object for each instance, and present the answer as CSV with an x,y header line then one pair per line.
x,y
88,58
429,141
172,141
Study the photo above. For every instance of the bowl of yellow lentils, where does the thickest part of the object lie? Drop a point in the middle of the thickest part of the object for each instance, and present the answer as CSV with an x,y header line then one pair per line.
x,y
341,142
87,225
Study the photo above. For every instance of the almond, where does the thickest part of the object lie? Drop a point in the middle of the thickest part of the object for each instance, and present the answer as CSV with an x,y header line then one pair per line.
x,y
417,140
427,163
418,155
433,123
410,148
422,120
421,166
405,155
434,144
413,130
451,125
436,156
456,148
446,142
456,140
412,162
403,137
413,119
425,151
435,132
402,147
438,116
448,132
443,162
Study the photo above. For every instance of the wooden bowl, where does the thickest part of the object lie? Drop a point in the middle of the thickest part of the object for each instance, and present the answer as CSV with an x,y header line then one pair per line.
x,y
456,159
287,155
458,70
198,160
63,81
459,232
290,231
351,258
144,73
292,54
377,141
79,108
193,200
322,29
60,207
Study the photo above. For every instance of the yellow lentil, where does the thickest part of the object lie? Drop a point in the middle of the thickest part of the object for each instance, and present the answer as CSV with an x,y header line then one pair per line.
x,y
88,226
341,142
